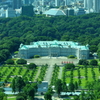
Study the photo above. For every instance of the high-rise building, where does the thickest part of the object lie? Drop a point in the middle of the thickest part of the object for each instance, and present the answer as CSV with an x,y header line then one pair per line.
x,y
16,4
26,2
27,10
57,3
96,6
67,2
88,4
10,12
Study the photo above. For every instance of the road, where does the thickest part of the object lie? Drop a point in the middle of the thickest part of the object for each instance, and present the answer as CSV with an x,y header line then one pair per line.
x,y
52,60
48,74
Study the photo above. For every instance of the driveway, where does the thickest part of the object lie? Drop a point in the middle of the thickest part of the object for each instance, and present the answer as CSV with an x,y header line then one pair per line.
x,y
52,60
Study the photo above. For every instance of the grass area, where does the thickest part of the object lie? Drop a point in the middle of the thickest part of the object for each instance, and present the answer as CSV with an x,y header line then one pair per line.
x,y
82,74
11,98
9,72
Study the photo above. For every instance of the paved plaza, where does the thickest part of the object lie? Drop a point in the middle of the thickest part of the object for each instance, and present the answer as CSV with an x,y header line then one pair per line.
x,y
52,60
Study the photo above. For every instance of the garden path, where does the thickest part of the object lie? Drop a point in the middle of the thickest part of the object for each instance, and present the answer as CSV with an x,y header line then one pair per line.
x,y
36,77
60,72
48,74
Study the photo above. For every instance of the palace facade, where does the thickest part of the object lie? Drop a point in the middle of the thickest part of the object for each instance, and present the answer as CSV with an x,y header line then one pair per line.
x,y
54,49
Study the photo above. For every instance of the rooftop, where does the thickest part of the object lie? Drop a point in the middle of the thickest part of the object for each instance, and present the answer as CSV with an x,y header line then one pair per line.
x,y
55,43
54,12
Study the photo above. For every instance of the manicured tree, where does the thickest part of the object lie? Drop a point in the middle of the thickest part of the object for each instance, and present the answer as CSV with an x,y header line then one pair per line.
x,y
32,66
17,84
82,96
76,85
79,76
99,68
36,56
71,87
2,96
86,73
64,87
2,90
76,97
22,95
71,56
70,66
31,93
21,61
13,86
83,62
93,75
64,75
79,82
30,90
20,98
94,62
71,75
48,96
10,61
58,86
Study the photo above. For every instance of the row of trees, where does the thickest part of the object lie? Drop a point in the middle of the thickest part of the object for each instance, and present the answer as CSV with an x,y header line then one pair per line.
x,y
26,91
86,62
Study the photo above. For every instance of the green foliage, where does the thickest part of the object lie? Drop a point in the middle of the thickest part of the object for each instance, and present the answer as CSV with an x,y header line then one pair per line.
x,y
93,48
36,56
20,98
29,90
83,62
48,96
31,66
10,61
70,66
58,86
16,52
17,84
2,96
71,86
71,56
94,62
21,61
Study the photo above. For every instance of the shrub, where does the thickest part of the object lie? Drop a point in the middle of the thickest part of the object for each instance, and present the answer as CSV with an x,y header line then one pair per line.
x,y
71,56
83,62
9,61
94,62
21,61
70,66
36,56
31,66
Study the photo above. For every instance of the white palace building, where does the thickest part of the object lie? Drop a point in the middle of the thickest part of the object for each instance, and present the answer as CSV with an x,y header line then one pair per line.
x,y
54,49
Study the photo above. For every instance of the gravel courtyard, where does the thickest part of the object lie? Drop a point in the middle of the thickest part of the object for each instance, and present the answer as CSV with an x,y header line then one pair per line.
x,y
52,60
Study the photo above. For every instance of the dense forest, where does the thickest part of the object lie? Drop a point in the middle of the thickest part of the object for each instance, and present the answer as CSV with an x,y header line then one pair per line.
x,y
13,31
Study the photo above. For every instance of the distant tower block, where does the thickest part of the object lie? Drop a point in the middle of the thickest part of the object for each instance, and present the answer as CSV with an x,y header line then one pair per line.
x,y
85,3
57,3
16,4
96,6
67,2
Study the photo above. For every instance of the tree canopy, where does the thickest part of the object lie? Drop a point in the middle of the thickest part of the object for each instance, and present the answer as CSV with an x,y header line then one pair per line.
x,y
32,66
83,29
70,66
21,61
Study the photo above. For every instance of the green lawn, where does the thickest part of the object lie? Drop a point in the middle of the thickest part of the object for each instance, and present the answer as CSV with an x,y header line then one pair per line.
x,y
13,71
82,74
12,98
